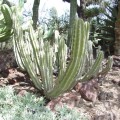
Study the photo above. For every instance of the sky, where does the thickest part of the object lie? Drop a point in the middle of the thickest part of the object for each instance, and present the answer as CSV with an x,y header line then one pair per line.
x,y
46,4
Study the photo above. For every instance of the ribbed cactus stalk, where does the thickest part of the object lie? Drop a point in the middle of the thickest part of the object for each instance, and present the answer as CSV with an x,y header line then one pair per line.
x,y
62,57
16,43
39,57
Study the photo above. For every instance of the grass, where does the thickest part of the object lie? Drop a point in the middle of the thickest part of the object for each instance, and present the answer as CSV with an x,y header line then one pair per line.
x,y
30,107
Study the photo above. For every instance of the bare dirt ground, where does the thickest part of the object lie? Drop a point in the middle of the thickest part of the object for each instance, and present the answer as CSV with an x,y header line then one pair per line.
x,y
98,103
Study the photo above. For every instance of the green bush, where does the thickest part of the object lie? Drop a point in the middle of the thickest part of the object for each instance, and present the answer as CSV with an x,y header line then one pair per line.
x,y
30,107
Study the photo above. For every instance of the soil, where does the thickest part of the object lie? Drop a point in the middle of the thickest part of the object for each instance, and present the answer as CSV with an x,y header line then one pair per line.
x,y
100,102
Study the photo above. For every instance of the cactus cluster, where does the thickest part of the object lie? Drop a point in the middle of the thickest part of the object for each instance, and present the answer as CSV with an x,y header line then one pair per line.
x,y
40,58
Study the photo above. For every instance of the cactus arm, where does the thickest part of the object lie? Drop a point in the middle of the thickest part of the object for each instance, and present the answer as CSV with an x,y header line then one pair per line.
x,y
62,56
34,44
105,70
46,68
27,60
39,59
43,61
87,60
16,49
16,45
95,68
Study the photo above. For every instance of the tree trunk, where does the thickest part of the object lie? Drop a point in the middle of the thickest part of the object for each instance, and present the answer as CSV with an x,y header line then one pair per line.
x,y
35,13
80,9
117,33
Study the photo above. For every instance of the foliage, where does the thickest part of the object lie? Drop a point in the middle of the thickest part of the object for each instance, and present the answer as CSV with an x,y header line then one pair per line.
x,y
5,23
90,8
93,12
94,29
30,107
52,21
105,29
84,11
64,23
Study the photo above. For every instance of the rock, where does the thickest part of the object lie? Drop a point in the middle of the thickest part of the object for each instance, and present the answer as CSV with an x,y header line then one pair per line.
x,y
52,104
88,93
70,99
101,80
116,81
118,100
119,83
105,117
116,61
15,76
88,90
78,87
105,96
12,81
7,60
22,93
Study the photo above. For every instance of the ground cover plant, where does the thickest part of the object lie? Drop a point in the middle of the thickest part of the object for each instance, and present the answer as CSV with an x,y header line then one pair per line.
x,y
31,107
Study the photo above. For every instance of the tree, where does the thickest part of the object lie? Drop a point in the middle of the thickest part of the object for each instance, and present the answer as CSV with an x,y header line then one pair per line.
x,y
8,3
109,30
117,32
106,30
83,10
35,13
79,8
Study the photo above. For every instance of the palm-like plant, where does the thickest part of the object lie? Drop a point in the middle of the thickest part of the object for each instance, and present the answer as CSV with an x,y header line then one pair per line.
x,y
105,31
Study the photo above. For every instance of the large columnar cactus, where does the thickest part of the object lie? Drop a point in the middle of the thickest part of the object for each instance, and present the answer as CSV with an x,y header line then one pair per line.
x,y
73,10
39,58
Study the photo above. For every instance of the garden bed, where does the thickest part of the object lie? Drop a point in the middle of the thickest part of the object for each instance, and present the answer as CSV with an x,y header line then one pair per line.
x,y
105,106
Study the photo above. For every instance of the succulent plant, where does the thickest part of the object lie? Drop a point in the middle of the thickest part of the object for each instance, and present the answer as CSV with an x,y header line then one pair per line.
x,y
40,58
5,23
